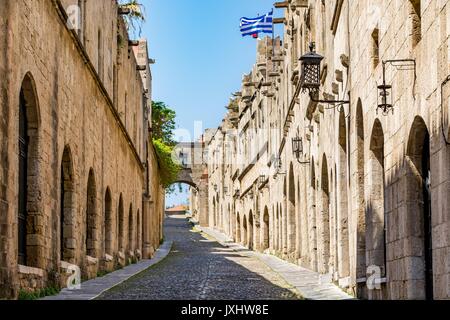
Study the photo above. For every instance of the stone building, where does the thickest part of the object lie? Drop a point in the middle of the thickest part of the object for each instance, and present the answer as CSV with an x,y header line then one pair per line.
x,y
366,198
79,176
193,158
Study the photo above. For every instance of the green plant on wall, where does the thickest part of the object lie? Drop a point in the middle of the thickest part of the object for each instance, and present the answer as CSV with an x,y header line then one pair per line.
x,y
163,127
163,123
169,168
136,16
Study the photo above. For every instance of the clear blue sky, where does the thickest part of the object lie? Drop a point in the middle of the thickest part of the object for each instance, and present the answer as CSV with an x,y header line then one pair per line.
x,y
200,56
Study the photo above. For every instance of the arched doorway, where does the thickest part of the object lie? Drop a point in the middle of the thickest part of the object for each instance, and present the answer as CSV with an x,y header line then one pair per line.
x,y
325,220
91,217
244,231
238,228
131,229
250,230
109,222
342,218
67,208
292,223
313,234
361,265
214,218
28,180
283,216
266,231
138,244
120,225
230,220
277,228
375,216
419,220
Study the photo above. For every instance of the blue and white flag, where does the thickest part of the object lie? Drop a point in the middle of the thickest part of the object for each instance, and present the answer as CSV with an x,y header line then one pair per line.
x,y
263,24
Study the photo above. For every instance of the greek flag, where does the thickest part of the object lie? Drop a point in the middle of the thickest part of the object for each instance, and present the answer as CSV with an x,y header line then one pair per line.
x,y
263,24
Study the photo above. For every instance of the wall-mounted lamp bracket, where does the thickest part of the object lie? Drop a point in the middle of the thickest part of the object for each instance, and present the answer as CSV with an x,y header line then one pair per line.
x,y
385,90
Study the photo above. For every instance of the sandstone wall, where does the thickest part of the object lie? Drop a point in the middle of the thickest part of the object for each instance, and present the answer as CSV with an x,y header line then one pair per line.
x,y
78,118
354,202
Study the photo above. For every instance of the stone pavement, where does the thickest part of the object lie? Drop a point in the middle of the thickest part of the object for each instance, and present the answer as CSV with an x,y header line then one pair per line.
x,y
310,284
95,287
199,268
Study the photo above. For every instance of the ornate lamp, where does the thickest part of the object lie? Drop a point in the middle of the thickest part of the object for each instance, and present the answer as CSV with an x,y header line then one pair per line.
x,y
262,179
385,93
278,166
311,70
311,75
385,90
297,149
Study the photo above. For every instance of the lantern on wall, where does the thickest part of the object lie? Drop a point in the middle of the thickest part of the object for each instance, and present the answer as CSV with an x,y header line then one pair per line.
x,y
297,149
385,90
297,146
384,98
311,75
262,180
311,70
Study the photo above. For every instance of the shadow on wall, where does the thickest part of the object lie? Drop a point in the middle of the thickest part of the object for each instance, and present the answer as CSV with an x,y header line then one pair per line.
x,y
401,220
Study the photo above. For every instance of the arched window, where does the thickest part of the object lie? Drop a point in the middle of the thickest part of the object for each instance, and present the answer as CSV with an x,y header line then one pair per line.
x,y
375,47
415,13
24,141
100,62
81,20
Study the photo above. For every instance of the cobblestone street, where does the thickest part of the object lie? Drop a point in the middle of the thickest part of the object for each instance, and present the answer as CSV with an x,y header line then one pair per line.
x,y
199,268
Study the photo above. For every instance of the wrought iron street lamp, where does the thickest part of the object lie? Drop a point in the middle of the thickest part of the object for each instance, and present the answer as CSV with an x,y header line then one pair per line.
x,y
385,90
311,70
278,164
262,179
311,75
297,149
215,187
